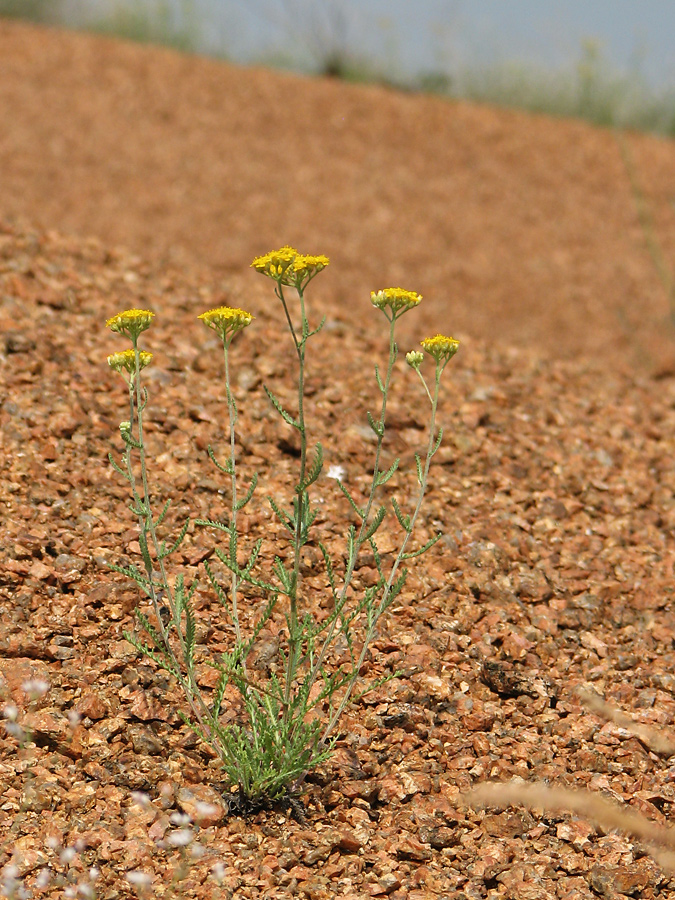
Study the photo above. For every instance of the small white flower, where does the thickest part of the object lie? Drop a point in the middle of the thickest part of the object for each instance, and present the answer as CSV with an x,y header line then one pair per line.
x,y
180,838
178,818
205,809
141,799
11,712
16,731
218,872
197,850
43,878
36,687
67,855
139,879
336,472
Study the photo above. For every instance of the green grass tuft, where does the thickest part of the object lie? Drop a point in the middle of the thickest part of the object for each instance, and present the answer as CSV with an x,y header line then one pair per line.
x,y
591,90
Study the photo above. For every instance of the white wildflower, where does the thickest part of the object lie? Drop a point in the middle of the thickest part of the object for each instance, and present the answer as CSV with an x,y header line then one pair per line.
x,y
11,712
35,687
180,838
178,818
139,879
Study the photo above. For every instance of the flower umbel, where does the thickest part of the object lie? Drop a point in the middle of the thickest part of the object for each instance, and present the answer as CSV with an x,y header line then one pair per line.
x,y
226,321
414,359
131,322
442,348
125,361
287,266
306,267
276,263
395,299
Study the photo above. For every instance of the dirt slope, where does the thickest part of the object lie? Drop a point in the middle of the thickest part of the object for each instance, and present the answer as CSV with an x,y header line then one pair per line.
x,y
516,228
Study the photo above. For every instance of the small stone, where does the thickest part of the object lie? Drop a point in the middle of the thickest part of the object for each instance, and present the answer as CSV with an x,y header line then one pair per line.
x,y
348,842
317,854
144,741
591,642
148,708
440,837
203,804
40,795
575,832
108,728
92,707
389,882
411,848
480,720
433,685
18,342
508,824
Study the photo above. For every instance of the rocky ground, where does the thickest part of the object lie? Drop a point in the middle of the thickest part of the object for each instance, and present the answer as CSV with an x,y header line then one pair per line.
x,y
554,485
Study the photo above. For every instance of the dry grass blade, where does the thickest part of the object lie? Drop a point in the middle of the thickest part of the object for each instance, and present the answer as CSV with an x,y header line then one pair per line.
x,y
605,813
650,737
646,219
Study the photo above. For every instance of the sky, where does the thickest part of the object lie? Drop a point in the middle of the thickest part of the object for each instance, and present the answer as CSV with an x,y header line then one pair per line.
x,y
421,36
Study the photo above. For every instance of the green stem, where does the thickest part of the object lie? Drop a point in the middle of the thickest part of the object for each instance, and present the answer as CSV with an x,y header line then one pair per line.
x,y
295,638
393,354
232,415
384,602
349,574
147,524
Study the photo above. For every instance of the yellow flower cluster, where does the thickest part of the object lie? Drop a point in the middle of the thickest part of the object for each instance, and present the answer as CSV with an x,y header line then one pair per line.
x,y
276,263
125,361
442,348
414,359
226,321
307,266
287,266
395,299
131,322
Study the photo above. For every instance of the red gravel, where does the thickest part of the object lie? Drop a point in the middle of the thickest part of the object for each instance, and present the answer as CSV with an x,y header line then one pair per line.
x,y
554,486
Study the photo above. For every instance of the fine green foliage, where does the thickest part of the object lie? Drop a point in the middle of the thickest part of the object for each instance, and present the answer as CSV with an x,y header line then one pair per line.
x,y
589,90
654,245
285,720
160,22
48,11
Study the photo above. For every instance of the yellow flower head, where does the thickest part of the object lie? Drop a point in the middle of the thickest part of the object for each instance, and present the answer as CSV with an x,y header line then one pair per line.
x,y
131,322
126,361
442,348
276,263
287,266
306,267
226,321
395,299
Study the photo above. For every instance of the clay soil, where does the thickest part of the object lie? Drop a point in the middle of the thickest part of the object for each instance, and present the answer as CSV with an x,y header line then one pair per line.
x,y
553,487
